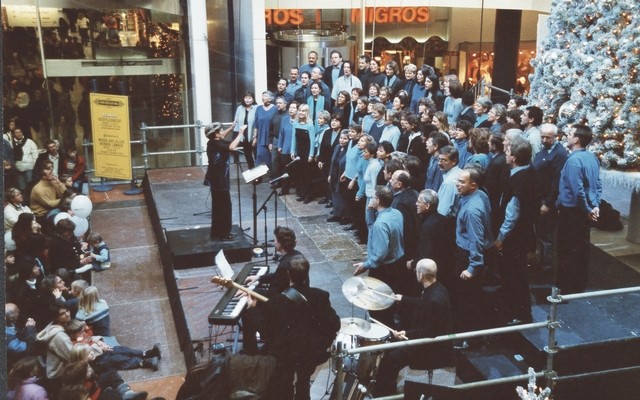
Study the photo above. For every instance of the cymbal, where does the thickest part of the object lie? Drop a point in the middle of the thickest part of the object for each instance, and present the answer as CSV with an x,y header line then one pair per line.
x,y
368,293
354,326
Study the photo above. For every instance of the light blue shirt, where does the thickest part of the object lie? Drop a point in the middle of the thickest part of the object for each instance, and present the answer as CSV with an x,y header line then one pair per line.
x,y
511,212
391,134
473,228
447,192
351,161
385,244
580,184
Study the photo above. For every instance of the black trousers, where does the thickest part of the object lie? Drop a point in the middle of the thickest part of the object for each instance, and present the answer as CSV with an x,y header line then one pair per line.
x,y
220,212
282,385
515,283
468,300
574,237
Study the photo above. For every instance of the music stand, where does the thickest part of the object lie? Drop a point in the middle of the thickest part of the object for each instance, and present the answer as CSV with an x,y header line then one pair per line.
x,y
251,176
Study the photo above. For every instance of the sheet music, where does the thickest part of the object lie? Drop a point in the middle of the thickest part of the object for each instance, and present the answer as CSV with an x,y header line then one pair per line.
x,y
255,173
223,265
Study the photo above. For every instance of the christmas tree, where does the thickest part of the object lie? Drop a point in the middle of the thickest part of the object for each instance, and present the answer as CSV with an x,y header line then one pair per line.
x,y
587,72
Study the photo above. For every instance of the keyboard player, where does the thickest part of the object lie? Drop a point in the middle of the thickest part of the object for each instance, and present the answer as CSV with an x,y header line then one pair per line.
x,y
269,285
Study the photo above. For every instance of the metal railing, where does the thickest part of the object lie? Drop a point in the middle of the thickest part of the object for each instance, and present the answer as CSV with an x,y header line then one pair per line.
x,y
555,299
146,154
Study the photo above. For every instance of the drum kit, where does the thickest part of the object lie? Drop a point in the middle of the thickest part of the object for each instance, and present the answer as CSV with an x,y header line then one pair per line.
x,y
370,294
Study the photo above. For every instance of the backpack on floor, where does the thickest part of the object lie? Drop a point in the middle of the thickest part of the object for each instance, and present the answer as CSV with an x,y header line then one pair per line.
x,y
207,381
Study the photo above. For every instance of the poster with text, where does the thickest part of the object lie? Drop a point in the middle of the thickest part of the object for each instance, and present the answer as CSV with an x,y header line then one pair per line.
x,y
111,136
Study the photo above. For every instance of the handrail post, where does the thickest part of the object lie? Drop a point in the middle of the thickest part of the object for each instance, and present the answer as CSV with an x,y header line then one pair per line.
x,y
198,143
551,348
145,156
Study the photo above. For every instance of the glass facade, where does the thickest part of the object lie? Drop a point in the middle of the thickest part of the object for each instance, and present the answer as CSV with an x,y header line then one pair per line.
x,y
55,56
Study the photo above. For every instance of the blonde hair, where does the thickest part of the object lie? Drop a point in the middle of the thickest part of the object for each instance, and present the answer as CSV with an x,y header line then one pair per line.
x,y
89,298
79,352
79,286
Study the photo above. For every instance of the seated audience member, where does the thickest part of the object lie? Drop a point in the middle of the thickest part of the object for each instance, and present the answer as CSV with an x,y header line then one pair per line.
x,y
27,235
65,250
94,311
24,380
20,341
46,194
58,345
107,358
54,292
15,206
25,293
80,381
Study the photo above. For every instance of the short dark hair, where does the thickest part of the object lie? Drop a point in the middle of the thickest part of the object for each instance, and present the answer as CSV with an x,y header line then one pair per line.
x,y
371,148
286,237
366,58
439,139
451,153
393,165
384,195
65,226
464,125
535,115
584,134
386,146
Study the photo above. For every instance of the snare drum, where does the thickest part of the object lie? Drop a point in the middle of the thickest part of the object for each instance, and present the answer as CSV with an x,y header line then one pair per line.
x,y
378,334
344,342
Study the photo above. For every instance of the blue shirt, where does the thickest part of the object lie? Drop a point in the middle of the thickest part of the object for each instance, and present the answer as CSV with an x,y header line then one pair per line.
x,y
473,228
385,244
351,160
580,184
463,152
447,192
285,135
453,109
548,164
512,211
292,87
434,174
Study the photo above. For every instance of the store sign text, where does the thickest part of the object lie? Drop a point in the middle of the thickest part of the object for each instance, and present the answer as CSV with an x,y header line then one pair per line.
x,y
381,15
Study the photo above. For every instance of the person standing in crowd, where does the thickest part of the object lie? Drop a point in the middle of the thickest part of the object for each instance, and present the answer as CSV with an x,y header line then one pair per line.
x,y
75,165
245,116
25,154
433,92
409,79
338,163
293,83
363,66
385,247
481,109
435,142
312,58
327,142
418,91
335,70
284,144
473,237
435,238
304,91
580,192
303,146
453,101
448,163
461,142
52,154
391,133
404,200
261,125
281,90
375,75
391,78
317,104
520,203
531,119
298,327
316,76
217,178
498,117
274,132
346,82
430,312
548,164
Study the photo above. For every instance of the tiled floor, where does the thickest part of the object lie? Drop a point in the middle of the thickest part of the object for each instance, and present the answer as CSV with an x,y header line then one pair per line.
x,y
137,295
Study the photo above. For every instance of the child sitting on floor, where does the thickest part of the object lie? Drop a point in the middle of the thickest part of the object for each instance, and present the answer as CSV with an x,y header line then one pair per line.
x,y
99,252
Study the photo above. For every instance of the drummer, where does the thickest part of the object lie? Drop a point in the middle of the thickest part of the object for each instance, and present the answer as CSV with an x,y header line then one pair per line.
x,y
431,317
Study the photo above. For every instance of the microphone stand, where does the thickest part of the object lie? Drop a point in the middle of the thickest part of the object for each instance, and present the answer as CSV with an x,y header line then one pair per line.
x,y
263,207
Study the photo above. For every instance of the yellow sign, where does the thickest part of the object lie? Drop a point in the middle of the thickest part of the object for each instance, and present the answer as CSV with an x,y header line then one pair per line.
x,y
111,136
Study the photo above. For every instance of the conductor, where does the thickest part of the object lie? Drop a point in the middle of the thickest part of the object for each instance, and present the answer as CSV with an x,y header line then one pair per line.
x,y
217,178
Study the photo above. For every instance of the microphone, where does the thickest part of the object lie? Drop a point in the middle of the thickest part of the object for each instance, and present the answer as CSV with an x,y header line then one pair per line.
x,y
294,160
285,176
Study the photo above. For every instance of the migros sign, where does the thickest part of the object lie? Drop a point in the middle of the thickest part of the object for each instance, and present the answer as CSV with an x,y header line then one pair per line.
x,y
381,15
